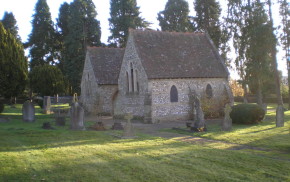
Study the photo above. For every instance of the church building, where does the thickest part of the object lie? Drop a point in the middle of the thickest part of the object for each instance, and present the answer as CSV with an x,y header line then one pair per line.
x,y
155,77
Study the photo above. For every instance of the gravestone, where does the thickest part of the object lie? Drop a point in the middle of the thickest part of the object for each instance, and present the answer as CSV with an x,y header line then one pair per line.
x,y
117,126
47,105
28,112
77,116
47,126
199,124
128,131
227,122
4,119
280,116
99,126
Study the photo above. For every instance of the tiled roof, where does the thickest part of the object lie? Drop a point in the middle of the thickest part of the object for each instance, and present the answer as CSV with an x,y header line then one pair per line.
x,y
106,63
178,55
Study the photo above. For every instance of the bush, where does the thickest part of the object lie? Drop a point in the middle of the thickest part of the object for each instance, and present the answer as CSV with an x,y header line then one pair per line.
x,y
1,107
247,114
40,103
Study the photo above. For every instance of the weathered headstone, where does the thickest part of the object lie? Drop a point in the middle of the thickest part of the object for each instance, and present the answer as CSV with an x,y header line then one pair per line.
x,y
47,126
117,126
199,124
47,105
4,119
227,122
128,132
280,116
98,126
28,112
77,116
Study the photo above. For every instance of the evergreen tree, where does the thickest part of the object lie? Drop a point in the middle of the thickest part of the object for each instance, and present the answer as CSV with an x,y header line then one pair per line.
x,y
258,66
175,17
43,36
13,65
9,22
82,30
280,108
285,36
47,80
207,19
124,15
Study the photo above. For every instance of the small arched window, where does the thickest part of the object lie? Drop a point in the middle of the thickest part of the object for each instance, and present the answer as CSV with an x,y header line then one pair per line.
x,y
137,82
173,94
127,75
208,91
132,77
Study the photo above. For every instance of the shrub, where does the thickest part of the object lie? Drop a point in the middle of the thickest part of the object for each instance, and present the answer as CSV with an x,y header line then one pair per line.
x,y
247,114
40,103
1,107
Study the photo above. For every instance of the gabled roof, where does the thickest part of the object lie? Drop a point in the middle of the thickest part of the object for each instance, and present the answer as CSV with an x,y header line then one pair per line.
x,y
178,55
106,63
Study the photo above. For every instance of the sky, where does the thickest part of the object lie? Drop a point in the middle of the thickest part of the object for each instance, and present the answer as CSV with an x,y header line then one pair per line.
x,y
24,9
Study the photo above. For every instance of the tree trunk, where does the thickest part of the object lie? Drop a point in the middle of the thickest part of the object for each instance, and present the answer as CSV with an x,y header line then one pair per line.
x,y
245,93
279,111
259,95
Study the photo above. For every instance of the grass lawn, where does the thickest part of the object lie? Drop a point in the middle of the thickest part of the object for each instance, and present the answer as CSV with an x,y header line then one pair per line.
x,y
29,153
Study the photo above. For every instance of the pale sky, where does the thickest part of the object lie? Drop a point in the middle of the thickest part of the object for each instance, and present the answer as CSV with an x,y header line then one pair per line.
x,y
24,9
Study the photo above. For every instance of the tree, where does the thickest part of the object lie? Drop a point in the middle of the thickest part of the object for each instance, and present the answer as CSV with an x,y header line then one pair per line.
x,y
47,80
9,22
280,108
175,17
43,36
124,15
207,19
81,30
285,36
258,48
13,65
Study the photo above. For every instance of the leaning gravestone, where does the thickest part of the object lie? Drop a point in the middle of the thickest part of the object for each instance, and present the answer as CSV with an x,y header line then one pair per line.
x,y
77,116
28,112
199,124
47,105
227,122
280,116
128,132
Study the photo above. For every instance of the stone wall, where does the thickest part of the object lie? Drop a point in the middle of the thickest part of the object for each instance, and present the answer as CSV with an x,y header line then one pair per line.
x,y
131,92
164,110
96,99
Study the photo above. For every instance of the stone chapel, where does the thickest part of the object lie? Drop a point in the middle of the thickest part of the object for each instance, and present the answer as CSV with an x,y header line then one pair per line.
x,y
155,77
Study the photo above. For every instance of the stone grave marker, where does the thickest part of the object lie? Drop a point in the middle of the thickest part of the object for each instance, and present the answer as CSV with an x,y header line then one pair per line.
x,y
117,126
98,126
280,116
128,131
47,105
199,124
77,116
227,122
28,112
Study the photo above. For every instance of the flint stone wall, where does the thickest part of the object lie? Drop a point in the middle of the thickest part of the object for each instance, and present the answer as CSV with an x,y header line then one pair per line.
x,y
129,101
96,98
164,110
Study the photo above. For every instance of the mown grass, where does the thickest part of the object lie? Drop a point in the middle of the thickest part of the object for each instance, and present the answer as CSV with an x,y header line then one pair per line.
x,y
264,134
29,153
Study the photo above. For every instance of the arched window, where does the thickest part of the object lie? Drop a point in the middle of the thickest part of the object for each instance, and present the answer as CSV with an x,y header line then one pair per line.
x,y
137,82
127,77
132,77
173,94
208,91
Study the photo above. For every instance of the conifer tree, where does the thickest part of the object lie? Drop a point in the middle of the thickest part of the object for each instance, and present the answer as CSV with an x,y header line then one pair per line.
x,y
285,36
175,17
13,65
9,22
124,14
80,29
207,19
43,36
